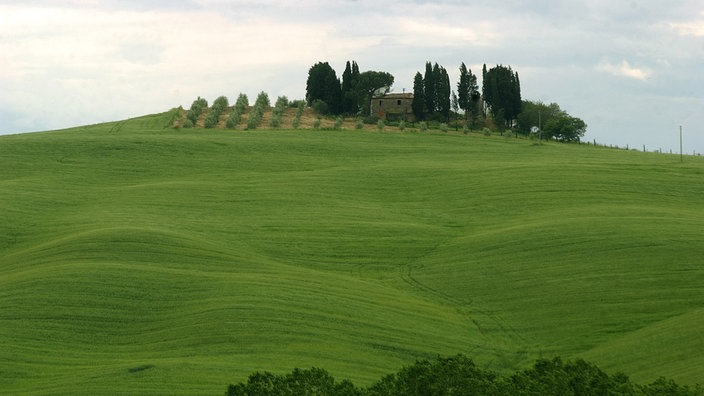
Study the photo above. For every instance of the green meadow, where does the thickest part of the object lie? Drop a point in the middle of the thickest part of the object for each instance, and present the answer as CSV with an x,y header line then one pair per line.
x,y
141,259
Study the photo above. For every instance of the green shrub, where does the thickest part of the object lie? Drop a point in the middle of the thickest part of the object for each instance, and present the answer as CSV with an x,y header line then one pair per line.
x,y
211,119
380,125
275,121
316,123
359,124
187,123
255,117
371,120
402,125
486,131
196,109
423,126
298,103
443,127
320,107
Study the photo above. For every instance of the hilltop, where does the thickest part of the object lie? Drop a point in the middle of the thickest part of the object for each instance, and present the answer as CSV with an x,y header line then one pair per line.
x,y
141,258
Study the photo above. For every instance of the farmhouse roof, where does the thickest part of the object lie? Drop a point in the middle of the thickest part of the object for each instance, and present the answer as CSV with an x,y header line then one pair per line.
x,y
395,96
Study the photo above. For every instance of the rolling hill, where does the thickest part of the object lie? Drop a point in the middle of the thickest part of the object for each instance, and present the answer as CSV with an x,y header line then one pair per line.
x,y
140,259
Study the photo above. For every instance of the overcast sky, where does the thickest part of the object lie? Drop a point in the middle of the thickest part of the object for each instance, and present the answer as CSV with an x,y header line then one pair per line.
x,y
632,70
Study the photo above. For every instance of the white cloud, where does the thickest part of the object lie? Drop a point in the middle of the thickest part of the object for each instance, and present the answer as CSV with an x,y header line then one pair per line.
x,y
624,69
695,28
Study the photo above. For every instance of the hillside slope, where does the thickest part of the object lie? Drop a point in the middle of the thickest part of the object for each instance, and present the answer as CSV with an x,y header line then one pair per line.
x,y
143,259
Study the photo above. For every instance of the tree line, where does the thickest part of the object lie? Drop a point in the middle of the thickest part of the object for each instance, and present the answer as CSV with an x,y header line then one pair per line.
x,y
497,104
459,376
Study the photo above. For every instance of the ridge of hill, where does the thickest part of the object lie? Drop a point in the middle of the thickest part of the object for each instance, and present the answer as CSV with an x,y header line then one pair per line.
x,y
139,258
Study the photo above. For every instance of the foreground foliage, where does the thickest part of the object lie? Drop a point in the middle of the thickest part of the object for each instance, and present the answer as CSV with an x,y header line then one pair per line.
x,y
459,376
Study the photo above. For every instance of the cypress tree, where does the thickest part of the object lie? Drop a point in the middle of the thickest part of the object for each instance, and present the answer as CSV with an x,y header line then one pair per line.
x,y
429,89
418,103
443,91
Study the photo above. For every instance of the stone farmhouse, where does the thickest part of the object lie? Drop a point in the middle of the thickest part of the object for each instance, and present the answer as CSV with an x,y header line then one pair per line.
x,y
393,107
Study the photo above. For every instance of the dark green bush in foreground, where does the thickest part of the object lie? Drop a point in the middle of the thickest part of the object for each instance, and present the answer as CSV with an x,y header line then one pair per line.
x,y
459,376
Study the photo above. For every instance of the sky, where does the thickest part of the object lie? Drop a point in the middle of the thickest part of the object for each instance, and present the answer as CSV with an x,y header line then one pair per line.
x,y
632,70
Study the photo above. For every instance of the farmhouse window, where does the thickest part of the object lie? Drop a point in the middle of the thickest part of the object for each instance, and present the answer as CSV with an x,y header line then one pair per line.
x,y
398,102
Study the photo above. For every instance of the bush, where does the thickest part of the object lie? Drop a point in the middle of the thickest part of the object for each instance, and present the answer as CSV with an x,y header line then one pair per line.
x,y
298,103
255,117
423,126
486,131
316,123
371,120
380,125
211,119
443,127
359,124
459,375
196,109
320,107
402,125
187,123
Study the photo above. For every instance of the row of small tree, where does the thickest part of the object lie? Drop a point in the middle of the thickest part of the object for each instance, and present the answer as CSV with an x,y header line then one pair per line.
x,y
459,376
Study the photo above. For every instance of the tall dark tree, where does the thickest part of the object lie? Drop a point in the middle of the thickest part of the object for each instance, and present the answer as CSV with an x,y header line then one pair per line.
x,y
350,94
418,104
463,94
443,91
323,84
468,93
372,83
429,89
502,94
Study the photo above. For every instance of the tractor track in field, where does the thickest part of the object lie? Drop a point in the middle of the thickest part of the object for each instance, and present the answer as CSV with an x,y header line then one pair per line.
x,y
465,307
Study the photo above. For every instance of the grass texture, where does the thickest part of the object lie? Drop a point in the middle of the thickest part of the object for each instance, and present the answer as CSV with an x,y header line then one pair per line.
x,y
138,259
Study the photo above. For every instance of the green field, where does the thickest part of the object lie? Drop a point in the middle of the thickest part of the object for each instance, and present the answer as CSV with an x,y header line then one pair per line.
x,y
138,259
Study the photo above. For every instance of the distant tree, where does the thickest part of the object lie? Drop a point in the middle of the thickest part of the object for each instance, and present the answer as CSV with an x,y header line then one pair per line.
x,y
196,109
314,381
455,103
460,376
502,94
565,128
262,100
429,89
350,90
443,91
536,114
242,103
553,122
468,95
372,83
418,104
463,94
323,84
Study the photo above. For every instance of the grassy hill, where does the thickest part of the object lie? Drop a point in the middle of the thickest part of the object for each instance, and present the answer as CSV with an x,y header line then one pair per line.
x,y
143,259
